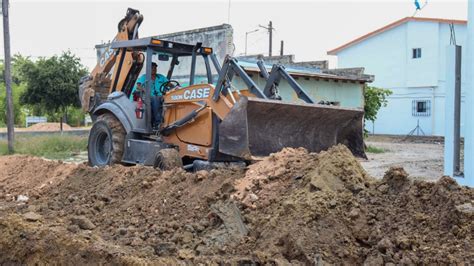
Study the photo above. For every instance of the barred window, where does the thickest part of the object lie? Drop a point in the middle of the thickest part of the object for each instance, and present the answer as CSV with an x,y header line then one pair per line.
x,y
421,108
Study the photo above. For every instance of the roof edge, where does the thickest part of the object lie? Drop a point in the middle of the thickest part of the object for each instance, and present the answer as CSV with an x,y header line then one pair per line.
x,y
198,30
391,26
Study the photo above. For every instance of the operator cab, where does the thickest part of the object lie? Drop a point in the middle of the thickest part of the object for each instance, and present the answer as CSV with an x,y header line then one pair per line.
x,y
182,64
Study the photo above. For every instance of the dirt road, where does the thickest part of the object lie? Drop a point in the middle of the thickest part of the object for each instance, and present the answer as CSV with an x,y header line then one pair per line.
x,y
292,207
422,160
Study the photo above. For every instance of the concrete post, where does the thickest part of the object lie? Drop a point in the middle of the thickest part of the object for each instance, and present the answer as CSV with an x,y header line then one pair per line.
x,y
452,111
469,113
8,76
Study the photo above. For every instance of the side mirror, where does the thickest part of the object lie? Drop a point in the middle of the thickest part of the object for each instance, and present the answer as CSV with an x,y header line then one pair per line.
x,y
163,57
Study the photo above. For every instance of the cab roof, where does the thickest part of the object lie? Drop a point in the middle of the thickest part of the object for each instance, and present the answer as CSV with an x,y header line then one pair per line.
x,y
174,48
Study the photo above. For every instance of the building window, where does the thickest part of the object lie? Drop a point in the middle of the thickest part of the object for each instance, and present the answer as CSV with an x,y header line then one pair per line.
x,y
416,52
421,108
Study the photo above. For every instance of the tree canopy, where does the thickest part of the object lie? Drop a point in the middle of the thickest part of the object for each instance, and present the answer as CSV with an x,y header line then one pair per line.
x,y
52,82
18,86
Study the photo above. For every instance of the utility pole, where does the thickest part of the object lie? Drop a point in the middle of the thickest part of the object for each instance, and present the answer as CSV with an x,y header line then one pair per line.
x,y
246,36
281,48
270,29
8,77
270,32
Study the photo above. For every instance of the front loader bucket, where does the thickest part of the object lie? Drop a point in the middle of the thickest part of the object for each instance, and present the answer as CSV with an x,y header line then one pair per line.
x,y
259,127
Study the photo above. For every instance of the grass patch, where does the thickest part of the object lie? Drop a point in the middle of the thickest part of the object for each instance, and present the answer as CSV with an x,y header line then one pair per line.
x,y
49,146
373,149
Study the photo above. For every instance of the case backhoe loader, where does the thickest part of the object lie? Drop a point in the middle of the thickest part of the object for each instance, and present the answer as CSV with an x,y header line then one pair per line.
x,y
202,123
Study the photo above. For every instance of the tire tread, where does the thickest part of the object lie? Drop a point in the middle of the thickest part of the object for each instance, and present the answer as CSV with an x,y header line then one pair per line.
x,y
118,136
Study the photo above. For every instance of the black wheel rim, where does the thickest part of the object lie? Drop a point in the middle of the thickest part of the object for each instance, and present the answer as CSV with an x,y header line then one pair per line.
x,y
103,148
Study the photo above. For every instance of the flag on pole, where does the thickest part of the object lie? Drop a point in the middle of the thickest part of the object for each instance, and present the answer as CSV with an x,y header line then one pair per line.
x,y
417,4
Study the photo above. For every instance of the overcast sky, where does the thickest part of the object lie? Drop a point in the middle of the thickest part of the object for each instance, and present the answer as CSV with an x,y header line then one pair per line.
x,y
309,28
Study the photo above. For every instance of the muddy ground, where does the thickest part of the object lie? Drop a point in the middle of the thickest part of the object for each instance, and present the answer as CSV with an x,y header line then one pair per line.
x,y
422,157
293,207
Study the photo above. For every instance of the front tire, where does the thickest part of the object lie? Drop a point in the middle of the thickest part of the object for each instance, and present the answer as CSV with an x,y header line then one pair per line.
x,y
106,141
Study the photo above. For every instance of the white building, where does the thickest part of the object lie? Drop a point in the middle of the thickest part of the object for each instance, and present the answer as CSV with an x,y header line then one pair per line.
x,y
407,57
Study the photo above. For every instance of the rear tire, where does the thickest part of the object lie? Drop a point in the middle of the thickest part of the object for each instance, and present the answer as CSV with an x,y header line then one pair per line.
x,y
167,159
106,141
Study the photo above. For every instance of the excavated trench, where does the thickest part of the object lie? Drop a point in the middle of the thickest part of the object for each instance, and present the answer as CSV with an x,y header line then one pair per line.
x,y
291,207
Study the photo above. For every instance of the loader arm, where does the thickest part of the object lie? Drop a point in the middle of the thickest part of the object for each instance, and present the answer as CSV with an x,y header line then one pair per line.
x,y
273,93
231,67
95,87
273,80
127,30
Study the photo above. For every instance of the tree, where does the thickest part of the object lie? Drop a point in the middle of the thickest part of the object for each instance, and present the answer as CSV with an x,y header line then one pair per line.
x,y
375,98
18,86
52,83
19,118
18,62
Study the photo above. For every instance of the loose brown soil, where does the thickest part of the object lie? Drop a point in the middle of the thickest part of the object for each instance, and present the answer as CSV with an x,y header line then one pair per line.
x,y
47,126
292,207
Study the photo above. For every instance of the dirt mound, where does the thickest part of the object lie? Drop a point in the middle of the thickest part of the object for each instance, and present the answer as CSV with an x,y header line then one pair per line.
x,y
48,126
292,207
269,176
28,176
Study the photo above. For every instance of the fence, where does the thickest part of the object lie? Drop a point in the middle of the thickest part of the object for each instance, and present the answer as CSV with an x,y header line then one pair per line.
x,y
35,119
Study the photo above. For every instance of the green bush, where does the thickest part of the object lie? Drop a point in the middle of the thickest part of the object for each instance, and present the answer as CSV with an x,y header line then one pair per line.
x,y
373,149
374,99
75,116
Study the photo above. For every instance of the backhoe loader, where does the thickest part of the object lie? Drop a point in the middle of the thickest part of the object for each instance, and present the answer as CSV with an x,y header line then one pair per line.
x,y
202,124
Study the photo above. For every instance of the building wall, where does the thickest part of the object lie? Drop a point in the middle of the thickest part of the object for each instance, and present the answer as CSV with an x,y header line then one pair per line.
x,y
347,94
421,72
389,57
219,38
382,56
397,118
